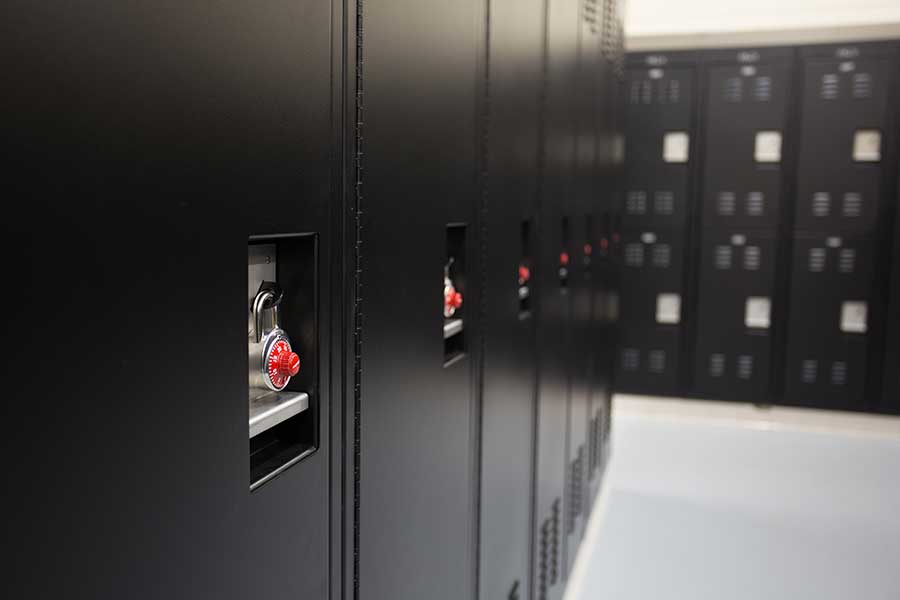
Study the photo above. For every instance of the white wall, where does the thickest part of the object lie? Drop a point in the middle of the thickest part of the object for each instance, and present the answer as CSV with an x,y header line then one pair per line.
x,y
655,18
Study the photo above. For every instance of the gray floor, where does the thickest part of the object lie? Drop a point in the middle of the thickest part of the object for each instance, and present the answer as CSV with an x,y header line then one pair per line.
x,y
737,507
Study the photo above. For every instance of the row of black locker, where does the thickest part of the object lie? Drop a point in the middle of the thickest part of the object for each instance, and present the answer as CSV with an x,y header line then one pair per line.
x,y
757,216
422,191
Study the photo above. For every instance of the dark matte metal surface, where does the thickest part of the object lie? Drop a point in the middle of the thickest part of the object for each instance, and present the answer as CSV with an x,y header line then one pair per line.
x,y
510,359
148,141
420,132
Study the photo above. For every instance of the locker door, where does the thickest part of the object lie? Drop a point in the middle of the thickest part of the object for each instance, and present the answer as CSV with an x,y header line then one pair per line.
x,y
746,113
658,149
419,203
735,315
556,252
844,137
509,387
830,321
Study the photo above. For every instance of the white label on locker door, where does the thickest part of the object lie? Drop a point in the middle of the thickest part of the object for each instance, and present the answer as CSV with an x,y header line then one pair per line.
x,y
854,317
768,147
668,309
676,147
867,145
758,312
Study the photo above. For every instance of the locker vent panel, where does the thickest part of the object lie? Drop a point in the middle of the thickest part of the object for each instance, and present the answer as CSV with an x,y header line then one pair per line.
x,y
809,371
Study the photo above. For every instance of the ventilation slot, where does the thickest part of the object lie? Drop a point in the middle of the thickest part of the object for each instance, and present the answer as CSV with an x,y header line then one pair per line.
x,y
847,260
809,371
656,361
635,95
554,542
852,206
636,204
762,89
646,91
725,203
544,559
838,373
752,258
576,488
674,88
734,89
634,255
664,203
862,85
821,204
744,366
816,260
716,365
662,255
631,359
830,86
722,258
756,203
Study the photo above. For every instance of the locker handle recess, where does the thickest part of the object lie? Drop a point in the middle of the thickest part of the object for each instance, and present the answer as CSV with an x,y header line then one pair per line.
x,y
271,409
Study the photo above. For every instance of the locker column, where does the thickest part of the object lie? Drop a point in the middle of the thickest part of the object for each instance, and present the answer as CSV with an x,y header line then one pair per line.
x,y
659,154
890,402
845,178
745,116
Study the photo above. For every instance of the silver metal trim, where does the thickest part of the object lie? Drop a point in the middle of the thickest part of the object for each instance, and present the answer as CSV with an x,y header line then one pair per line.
x,y
452,327
272,408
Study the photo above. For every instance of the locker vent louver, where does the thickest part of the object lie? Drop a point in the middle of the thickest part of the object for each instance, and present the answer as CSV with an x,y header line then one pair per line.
x,y
762,89
734,89
634,255
664,203
598,439
722,258
716,365
847,260
725,203
636,203
821,204
656,361
830,86
593,441
576,489
862,85
756,203
852,206
591,14
662,255
816,260
838,373
673,89
809,371
752,258
744,366
631,359
544,560
554,541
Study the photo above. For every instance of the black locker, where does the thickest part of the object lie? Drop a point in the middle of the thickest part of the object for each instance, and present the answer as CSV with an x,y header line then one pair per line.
x,y
150,141
748,96
510,361
650,311
557,228
833,311
419,197
735,314
660,140
846,136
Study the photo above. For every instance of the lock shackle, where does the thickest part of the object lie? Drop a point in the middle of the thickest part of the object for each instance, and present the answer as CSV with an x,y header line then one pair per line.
x,y
269,294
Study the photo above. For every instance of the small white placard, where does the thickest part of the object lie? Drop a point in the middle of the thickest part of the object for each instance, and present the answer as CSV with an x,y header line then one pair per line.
x,y
668,309
768,147
867,145
854,317
758,312
676,147
648,237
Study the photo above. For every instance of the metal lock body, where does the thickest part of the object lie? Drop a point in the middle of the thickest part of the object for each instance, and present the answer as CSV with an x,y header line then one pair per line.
x,y
272,361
